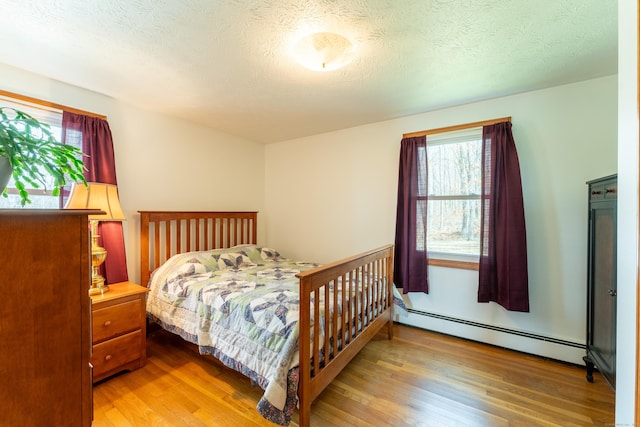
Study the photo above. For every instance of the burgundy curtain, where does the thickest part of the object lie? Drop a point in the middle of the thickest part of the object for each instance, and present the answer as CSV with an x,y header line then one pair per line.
x,y
410,259
503,275
93,136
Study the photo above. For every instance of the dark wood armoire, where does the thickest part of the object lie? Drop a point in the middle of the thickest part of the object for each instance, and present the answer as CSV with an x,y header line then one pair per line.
x,y
601,279
45,375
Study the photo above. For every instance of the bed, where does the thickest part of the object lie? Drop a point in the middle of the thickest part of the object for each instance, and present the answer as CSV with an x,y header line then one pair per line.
x,y
208,265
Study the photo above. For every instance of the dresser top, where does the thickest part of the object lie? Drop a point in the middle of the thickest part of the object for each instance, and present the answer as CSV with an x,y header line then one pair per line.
x,y
45,212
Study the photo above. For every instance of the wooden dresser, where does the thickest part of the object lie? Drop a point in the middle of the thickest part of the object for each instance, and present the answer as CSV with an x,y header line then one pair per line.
x,y
45,375
118,329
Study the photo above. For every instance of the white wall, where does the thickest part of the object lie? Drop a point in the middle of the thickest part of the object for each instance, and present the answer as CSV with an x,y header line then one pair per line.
x,y
162,163
334,194
627,211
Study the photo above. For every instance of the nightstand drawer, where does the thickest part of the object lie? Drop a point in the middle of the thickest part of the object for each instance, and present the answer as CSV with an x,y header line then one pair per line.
x,y
115,353
116,320
119,329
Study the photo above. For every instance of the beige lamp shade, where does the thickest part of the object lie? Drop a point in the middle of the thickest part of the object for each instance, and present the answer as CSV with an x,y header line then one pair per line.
x,y
96,195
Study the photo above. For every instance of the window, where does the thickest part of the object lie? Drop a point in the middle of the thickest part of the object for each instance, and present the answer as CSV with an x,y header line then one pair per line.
x,y
40,198
453,194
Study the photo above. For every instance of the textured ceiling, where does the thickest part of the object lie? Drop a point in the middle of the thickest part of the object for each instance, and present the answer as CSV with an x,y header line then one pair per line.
x,y
227,63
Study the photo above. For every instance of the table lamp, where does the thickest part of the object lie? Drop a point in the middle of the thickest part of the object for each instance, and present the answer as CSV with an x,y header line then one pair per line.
x,y
104,197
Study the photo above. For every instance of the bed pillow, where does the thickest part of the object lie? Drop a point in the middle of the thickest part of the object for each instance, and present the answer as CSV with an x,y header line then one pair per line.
x,y
260,255
234,260
269,254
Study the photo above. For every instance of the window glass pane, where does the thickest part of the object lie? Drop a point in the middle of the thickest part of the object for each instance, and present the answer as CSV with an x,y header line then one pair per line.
x,y
57,133
37,201
420,211
39,198
453,226
454,186
422,161
454,168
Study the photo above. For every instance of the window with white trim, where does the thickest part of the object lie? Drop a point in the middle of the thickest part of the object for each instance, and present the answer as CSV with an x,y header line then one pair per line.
x,y
453,194
41,198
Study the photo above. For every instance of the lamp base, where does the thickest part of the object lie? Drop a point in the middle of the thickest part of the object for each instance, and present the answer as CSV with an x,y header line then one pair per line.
x,y
98,255
99,291
98,286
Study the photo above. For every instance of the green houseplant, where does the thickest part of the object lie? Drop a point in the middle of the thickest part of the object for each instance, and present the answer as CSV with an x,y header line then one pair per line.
x,y
32,155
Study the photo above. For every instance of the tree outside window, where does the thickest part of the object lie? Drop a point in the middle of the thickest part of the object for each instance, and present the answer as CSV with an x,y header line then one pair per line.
x,y
453,194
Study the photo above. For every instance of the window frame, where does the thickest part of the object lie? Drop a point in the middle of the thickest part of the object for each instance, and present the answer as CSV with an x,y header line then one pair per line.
x,y
447,136
45,114
443,261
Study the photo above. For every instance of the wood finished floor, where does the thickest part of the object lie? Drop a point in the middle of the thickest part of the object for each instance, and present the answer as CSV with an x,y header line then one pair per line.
x,y
419,378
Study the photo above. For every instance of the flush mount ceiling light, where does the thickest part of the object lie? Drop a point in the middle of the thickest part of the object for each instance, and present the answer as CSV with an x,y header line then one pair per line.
x,y
323,51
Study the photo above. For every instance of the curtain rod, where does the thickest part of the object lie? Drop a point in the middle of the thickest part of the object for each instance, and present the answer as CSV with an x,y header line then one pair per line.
x,y
456,127
50,104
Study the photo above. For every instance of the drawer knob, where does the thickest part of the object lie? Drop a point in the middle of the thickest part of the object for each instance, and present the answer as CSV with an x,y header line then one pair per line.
x,y
107,323
107,357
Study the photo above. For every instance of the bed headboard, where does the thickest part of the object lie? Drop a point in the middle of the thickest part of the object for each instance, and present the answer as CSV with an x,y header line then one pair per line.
x,y
166,233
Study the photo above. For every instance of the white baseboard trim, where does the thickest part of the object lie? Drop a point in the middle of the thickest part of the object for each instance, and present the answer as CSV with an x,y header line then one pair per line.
x,y
525,342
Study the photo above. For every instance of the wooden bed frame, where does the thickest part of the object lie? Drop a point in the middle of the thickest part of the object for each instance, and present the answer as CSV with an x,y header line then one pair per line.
x,y
165,233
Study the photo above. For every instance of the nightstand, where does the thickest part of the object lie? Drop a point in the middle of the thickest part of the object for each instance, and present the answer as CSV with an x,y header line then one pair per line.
x,y
118,320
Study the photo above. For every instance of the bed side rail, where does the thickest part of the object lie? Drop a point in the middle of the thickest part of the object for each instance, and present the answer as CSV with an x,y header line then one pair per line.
x,y
360,289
